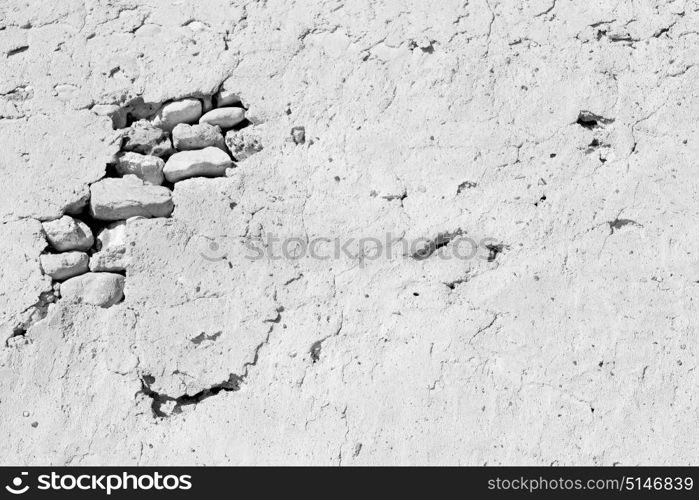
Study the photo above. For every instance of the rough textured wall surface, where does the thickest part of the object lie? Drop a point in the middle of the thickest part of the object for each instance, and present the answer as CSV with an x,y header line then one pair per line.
x,y
564,132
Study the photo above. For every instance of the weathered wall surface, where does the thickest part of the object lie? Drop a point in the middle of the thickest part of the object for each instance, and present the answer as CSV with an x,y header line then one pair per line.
x,y
565,131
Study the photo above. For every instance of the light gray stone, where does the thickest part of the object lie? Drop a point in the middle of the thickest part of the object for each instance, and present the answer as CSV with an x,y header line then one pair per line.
x,y
207,162
109,260
112,236
116,113
224,117
65,265
188,137
145,138
243,143
99,289
117,199
68,233
182,111
148,168
111,246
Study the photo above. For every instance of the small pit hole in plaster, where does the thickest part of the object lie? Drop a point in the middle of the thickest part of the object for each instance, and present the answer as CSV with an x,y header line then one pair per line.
x,y
494,250
203,336
298,134
315,351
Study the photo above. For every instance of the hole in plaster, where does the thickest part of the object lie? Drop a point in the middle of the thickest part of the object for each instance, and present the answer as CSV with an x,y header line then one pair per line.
x,y
298,134
590,121
18,50
315,351
435,244
494,250
617,224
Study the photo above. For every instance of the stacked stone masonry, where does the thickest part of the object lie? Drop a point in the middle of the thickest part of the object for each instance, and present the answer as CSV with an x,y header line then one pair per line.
x,y
181,139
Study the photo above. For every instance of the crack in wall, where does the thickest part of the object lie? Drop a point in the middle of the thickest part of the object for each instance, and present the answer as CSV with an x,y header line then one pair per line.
x,y
32,315
164,406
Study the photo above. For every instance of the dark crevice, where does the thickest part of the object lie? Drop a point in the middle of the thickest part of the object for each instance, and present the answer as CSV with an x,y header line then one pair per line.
x,y
18,50
622,38
451,285
594,145
203,336
429,49
315,350
614,37
164,405
391,197
465,185
19,330
111,170
96,225
316,347
242,125
137,109
34,313
435,244
590,121
619,223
